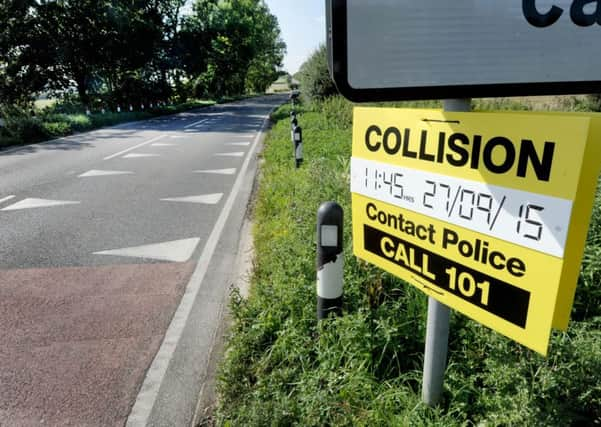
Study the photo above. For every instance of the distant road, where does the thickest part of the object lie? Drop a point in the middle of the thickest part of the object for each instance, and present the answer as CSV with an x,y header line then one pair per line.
x,y
103,237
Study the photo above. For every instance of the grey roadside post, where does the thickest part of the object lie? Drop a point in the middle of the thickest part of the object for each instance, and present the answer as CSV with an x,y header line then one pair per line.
x,y
330,259
293,124
437,329
297,138
293,98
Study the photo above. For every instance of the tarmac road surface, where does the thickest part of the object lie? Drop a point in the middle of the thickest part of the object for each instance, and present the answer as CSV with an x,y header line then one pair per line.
x,y
116,251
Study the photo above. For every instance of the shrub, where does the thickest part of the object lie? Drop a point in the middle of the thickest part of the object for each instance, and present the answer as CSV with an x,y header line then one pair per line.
x,y
21,126
314,76
56,129
337,111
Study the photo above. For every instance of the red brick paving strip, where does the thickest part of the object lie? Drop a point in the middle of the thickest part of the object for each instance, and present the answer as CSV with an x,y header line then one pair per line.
x,y
75,343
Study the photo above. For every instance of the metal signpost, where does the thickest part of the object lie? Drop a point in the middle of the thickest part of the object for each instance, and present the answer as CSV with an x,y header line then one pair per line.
x,y
437,329
486,213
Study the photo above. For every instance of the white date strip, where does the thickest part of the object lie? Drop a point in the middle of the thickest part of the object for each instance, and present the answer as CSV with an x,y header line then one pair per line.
x,y
527,219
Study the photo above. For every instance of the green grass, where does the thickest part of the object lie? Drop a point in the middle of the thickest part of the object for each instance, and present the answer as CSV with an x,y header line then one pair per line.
x,y
282,368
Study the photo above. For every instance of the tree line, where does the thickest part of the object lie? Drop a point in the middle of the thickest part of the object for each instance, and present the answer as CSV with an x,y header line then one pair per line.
x,y
123,51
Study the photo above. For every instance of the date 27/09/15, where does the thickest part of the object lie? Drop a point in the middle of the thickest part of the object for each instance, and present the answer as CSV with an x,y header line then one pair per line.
x,y
457,201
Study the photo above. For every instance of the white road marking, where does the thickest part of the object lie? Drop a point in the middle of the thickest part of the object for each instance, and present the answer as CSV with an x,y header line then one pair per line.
x,y
234,154
239,144
155,375
96,172
195,123
174,251
150,141
244,135
231,171
163,144
139,155
177,136
205,199
7,198
37,203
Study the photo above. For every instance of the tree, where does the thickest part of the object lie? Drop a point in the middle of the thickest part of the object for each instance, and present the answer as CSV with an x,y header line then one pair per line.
x,y
92,39
269,53
26,65
240,46
121,49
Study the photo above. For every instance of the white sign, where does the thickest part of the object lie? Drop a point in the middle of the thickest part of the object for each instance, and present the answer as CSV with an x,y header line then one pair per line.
x,y
408,49
536,221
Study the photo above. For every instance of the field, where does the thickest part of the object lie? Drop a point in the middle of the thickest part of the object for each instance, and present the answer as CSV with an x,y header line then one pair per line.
x,y
280,85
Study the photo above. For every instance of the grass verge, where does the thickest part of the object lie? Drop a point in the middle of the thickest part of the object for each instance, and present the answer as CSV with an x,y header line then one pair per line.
x,y
22,128
282,368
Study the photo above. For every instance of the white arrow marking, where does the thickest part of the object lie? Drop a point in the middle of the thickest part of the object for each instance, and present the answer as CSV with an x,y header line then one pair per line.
x,y
138,155
195,123
155,376
239,144
205,199
218,171
7,198
95,172
127,150
175,251
236,154
37,203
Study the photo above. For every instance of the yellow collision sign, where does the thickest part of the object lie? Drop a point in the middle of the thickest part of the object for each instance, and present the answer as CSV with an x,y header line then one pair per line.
x,y
487,213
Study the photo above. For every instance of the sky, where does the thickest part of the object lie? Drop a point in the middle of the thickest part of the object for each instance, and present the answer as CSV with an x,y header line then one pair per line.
x,y
303,26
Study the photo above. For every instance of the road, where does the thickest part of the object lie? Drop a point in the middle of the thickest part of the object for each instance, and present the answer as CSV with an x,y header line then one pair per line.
x,y
116,251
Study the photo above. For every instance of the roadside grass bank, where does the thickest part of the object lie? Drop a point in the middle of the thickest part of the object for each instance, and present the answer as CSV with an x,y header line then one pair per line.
x,y
25,128
59,120
364,368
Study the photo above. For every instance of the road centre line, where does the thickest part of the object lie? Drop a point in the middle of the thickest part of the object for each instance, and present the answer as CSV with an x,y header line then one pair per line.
x,y
7,198
155,375
195,123
134,147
